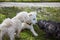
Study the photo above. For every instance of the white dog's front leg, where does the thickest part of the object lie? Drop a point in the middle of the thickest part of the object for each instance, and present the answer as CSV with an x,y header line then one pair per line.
x,y
32,30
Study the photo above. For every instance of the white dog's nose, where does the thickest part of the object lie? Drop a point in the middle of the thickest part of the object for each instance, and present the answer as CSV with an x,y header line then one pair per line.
x,y
36,21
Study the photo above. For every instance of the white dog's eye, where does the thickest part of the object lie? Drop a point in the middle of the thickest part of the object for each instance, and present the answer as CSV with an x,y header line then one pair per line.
x,y
34,19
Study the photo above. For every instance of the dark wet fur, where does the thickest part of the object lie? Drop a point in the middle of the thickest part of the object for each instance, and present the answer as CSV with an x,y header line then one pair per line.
x,y
50,27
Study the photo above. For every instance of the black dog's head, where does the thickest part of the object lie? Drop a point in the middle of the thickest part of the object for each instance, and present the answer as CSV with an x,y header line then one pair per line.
x,y
41,24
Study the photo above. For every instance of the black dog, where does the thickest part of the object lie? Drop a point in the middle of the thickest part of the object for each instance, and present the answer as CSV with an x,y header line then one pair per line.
x,y
50,27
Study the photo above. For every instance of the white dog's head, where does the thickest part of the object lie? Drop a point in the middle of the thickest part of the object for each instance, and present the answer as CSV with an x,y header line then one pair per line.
x,y
32,16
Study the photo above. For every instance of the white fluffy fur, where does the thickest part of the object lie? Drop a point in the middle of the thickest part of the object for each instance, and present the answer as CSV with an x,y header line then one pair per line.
x,y
9,26
32,16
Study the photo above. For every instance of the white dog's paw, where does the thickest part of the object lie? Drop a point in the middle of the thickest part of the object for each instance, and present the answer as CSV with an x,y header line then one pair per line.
x,y
36,34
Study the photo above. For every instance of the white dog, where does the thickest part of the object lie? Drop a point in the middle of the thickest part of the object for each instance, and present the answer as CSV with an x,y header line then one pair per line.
x,y
9,26
29,23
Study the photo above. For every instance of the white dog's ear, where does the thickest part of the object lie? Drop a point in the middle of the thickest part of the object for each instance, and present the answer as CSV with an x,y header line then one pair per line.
x,y
34,12
30,14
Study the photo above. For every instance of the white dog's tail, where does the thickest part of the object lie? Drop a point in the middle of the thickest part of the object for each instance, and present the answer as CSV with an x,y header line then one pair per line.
x,y
6,23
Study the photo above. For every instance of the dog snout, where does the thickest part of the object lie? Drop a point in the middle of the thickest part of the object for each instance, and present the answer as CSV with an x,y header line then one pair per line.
x,y
36,23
